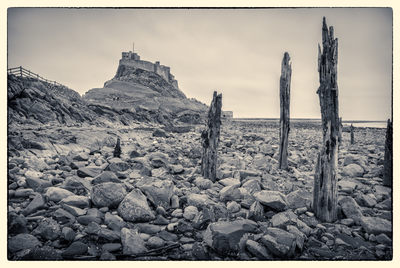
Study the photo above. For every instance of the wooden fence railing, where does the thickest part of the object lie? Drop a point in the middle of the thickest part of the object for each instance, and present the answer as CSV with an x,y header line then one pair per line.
x,y
22,72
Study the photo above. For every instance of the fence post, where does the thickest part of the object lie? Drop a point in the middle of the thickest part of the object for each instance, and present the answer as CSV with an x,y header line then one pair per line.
x,y
20,70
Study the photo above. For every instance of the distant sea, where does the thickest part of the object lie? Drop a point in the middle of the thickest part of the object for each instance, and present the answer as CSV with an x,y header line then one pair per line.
x,y
356,123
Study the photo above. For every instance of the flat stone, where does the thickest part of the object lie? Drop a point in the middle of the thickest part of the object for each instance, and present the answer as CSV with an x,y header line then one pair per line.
x,y
56,194
76,201
135,208
21,242
376,225
230,182
74,210
272,199
23,192
87,171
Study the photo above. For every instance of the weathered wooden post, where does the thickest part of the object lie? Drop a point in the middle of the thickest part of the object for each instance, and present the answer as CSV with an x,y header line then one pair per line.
x,y
388,165
284,90
117,149
210,139
325,188
351,134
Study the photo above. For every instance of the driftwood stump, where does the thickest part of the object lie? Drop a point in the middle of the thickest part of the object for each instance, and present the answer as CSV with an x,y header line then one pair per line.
x,y
117,149
388,165
210,139
325,180
286,73
351,134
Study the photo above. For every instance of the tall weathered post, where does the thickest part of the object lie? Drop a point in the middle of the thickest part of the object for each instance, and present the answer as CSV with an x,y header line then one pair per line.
x,y
340,130
284,92
210,139
388,165
325,187
351,134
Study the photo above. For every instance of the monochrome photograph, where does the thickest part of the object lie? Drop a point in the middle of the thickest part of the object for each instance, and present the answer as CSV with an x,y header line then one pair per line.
x,y
199,134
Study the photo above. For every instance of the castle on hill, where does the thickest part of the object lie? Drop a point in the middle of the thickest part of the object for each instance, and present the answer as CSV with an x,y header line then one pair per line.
x,y
132,59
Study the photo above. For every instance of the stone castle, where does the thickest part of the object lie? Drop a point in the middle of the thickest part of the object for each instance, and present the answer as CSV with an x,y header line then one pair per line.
x,y
132,59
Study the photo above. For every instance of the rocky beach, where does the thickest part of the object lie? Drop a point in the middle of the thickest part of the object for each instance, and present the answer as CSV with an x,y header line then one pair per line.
x,y
153,204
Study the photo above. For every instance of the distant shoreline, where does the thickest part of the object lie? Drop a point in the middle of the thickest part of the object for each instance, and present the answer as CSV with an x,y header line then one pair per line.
x,y
356,123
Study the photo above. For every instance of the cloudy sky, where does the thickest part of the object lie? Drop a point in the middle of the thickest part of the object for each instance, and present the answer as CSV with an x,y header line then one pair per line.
x,y
235,51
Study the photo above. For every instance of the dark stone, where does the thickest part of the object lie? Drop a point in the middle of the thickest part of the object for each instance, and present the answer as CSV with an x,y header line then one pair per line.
x,y
16,223
75,249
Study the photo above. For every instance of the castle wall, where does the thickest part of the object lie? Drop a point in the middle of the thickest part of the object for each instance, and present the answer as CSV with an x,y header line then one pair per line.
x,y
133,60
141,64
162,70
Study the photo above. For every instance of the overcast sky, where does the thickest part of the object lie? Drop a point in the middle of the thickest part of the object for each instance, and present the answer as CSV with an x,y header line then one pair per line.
x,y
235,51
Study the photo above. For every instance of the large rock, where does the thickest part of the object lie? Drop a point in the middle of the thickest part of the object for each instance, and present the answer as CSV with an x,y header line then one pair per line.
x,y
48,229
132,243
56,194
279,242
283,218
108,194
298,199
135,208
224,237
159,192
272,199
350,208
230,193
376,225
353,170
22,241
